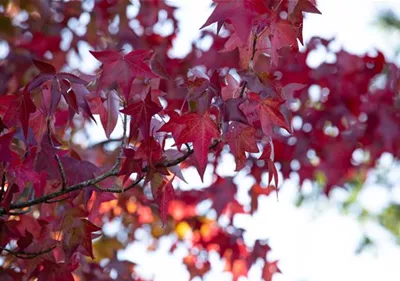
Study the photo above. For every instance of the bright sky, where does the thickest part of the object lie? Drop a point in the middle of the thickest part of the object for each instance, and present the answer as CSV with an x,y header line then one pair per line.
x,y
314,242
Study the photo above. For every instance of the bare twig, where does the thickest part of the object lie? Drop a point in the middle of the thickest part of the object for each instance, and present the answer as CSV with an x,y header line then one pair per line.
x,y
3,184
58,160
62,172
105,142
243,89
120,190
114,171
27,255
56,200
251,63
20,212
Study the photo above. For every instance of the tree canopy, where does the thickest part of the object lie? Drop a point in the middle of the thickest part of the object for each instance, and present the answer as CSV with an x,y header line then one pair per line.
x,y
251,95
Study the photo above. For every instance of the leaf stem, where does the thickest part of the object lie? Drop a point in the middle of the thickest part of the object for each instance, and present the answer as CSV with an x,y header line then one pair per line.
x,y
27,255
58,160
114,171
251,63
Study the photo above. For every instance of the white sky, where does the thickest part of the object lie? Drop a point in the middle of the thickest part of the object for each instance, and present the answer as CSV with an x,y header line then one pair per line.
x,y
314,242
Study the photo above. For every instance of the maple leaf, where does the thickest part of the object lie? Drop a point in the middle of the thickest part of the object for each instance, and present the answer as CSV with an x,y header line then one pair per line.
x,y
296,9
269,269
267,156
78,171
21,170
302,6
78,236
53,271
241,139
131,164
269,113
60,85
239,13
141,112
8,196
255,191
222,193
200,130
46,159
108,110
164,194
5,152
232,112
40,43
282,34
15,108
175,125
2,125
260,250
122,69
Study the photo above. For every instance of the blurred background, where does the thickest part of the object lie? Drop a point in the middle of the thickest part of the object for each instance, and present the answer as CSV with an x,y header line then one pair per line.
x,y
352,235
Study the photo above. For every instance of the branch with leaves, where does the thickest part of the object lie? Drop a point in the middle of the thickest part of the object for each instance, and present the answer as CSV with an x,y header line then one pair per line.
x,y
114,171
27,255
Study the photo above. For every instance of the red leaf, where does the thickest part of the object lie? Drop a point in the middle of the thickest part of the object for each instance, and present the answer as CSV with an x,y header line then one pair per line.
x,y
257,190
8,196
296,6
17,108
77,171
200,130
56,271
78,236
269,113
2,125
165,194
269,269
108,111
122,69
232,111
44,67
141,112
222,193
241,139
239,13
5,152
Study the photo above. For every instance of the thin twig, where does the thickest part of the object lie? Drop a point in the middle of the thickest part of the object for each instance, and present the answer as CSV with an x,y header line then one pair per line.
x,y
243,89
119,190
27,255
114,171
105,142
251,63
3,184
58,160
62,172
56,200
20,212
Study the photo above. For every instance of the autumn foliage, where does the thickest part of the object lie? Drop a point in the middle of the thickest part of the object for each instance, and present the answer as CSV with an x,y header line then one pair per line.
x,y
251,95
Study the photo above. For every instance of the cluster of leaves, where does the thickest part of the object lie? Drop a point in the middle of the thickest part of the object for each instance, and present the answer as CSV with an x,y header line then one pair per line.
x,y
241,96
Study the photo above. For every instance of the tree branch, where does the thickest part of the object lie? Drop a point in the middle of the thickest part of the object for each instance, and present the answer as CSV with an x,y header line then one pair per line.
x,y
27,255
251,63
105,142
114,171
56,200
119,190
59,164
62,172
3,184
46,198
20,212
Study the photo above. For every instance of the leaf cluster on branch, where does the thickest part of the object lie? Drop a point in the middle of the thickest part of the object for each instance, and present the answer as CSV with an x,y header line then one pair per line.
x,y
247,95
